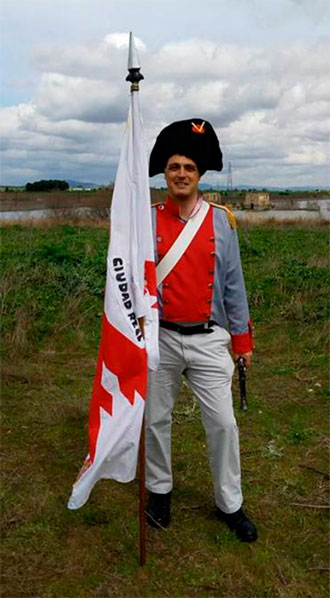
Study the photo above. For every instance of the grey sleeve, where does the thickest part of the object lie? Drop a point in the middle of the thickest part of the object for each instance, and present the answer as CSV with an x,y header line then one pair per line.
x,y
234,293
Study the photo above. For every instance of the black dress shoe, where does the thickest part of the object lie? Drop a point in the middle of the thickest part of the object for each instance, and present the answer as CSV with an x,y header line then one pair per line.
x,y
159,510
239,523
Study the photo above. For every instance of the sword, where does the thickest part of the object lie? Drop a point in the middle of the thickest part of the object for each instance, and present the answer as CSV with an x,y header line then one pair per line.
x,y
242,382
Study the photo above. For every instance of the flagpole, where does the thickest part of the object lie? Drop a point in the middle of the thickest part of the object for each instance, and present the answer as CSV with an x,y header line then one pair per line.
x,y
142,481
134,77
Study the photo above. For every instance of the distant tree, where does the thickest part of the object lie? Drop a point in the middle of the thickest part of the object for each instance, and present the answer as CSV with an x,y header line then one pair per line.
x,y
50,185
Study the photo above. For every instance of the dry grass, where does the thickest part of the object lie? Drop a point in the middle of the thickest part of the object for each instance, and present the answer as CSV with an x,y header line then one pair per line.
x,y
99,218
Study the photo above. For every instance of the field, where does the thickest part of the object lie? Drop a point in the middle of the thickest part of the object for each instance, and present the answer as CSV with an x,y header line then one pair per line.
x,y
52,293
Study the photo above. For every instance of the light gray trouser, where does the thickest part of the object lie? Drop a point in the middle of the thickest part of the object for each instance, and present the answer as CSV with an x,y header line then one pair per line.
x,y
206,362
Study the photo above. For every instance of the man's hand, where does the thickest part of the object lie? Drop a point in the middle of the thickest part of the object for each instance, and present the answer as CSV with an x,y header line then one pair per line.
x,y
247,357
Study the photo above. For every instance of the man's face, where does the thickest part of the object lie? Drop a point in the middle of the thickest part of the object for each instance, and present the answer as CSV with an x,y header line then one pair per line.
x,y
182,177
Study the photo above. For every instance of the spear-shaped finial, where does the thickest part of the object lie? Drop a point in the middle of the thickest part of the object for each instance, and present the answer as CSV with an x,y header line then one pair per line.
x,y
134,75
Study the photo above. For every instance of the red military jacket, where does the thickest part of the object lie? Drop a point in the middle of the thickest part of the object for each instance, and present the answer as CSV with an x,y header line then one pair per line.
x,y
207,282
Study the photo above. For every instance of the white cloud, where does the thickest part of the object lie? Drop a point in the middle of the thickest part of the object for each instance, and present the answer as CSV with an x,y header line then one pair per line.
x,y
61,97
121,41
269,106
95,60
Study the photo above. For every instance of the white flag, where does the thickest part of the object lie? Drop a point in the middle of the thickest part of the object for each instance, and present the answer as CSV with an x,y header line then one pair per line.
x,y
120,384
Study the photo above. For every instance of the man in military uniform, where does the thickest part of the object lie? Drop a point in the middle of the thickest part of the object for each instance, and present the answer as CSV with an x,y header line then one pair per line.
x,y
203,309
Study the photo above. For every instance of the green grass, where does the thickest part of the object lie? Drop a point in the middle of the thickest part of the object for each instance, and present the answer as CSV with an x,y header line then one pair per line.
x,y
52,283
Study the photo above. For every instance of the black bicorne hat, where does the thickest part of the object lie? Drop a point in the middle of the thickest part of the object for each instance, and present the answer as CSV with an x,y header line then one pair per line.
x,y
194,138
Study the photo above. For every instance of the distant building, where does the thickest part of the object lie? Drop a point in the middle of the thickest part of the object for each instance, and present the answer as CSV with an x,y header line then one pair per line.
x,y
257,201
213,197
80,189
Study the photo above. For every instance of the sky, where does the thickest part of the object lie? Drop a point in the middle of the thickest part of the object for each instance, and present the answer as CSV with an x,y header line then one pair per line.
x,y
258,70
